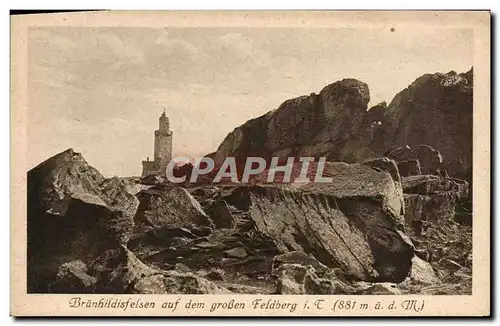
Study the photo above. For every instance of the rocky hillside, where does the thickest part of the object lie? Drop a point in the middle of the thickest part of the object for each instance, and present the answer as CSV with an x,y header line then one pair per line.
x,y
396,217
435,110
333,123
370,231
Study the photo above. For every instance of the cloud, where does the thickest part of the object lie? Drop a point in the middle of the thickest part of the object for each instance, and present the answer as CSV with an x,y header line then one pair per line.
x,y
236,48
236,43
123,49
170,46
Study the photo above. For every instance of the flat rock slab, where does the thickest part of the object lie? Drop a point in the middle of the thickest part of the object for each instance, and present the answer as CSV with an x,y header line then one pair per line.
x,y
298,257
430,208
169,207
431,184
340,229
236,252
377,179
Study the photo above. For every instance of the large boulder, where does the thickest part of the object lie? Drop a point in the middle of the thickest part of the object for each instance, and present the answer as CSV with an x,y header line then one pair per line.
x,y
422,272
381,289
221,215
432,198
389,166
430,159
72,277
170,206
173,282
403,153
351,223
407,168
333,123
430,208
120,271
436,110
431,184
74,213
300,279
421,159
298,257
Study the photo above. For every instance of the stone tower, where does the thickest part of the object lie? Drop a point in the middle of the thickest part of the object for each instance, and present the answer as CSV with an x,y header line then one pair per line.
x,y
163,143
162,149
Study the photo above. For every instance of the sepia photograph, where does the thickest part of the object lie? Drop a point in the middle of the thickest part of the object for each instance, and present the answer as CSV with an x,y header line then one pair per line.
x,y
334,160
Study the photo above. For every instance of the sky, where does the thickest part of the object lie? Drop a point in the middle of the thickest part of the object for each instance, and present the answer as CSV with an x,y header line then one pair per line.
x,y
101,90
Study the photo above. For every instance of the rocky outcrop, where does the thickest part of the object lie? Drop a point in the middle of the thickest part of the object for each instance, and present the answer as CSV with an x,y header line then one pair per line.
x,y
430,184
388,214
333,123
436,110
72,277
301,258
350,223
221,215
240,251
66,178
389,166
430,159
381,289
300,279
420,159
432,198
407,168
429,208
119,271
400,154
444,257
134,185
168,206
422,272
74,213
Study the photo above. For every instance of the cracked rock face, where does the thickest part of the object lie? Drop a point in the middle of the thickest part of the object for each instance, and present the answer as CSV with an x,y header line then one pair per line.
x,y
72,277
436,110
351,223
73,214
378,220
299,279
408,168
172,207
326,124
432,198
120,271
54,185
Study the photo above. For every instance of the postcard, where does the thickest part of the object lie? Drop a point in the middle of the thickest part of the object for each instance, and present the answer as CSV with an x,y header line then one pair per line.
x,y
250,163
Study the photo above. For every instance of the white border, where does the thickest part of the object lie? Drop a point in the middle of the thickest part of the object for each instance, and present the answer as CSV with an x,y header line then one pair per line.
x,y
144,4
